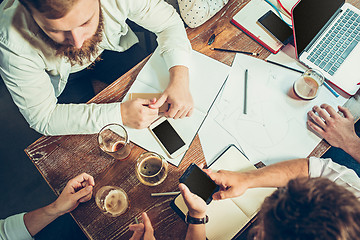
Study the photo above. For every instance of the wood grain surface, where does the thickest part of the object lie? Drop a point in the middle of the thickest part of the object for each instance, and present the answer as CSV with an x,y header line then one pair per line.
x,y
61,158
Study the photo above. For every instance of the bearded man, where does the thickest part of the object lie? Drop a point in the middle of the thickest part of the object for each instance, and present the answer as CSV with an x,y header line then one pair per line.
x,y
50,49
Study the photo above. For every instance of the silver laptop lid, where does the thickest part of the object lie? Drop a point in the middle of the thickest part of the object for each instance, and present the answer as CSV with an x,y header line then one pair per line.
x,y
309,18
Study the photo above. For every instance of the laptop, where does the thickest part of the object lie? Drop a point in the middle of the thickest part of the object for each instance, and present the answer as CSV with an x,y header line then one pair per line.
x,y
327,36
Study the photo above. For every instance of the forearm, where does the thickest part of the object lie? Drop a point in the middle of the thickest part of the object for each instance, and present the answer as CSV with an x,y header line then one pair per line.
x,y
279,174
36,220
179,75
353,148
196,232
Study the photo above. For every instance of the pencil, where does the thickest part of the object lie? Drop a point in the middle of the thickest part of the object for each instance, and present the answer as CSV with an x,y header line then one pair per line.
x,y
235,51
164,194
245,91
299,71
284,66
330,89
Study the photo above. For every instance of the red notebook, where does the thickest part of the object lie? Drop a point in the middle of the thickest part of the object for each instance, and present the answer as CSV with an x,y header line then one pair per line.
x,y
246,19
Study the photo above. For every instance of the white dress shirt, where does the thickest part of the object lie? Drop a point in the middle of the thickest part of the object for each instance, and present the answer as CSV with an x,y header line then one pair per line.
x,y
341,175
13,228
35,77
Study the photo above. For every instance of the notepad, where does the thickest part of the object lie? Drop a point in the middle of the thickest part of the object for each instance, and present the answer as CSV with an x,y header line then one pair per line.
x,y
230,216
246,19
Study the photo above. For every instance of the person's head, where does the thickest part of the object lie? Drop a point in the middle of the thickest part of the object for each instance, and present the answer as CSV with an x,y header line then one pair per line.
x,y
308,209
72,27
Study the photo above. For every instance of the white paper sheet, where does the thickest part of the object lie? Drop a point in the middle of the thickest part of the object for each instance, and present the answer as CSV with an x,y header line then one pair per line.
x,y
206,78
275,127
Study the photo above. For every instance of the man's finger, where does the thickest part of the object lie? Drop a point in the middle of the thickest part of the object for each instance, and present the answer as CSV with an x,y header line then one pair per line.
x,y
321,112
172,111
82,193
84,177
138,230
159,102
330,110
316,119
86,198
185,192
149,231
345,111
315,127
190,112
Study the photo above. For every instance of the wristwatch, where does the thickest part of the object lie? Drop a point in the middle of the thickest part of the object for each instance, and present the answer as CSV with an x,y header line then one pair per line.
x,y
191,220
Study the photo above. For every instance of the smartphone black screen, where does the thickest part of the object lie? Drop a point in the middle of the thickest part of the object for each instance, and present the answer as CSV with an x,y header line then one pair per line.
x,y
199,183
277,27
169,138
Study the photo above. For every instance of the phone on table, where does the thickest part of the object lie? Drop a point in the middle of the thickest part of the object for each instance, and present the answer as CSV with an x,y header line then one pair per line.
x,y
276,27
168,138
199,182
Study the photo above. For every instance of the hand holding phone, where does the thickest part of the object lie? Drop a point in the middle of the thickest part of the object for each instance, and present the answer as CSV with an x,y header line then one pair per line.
x,y
168,138
199,183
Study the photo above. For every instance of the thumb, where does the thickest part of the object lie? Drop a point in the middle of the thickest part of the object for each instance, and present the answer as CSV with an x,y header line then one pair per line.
x,y
159,102
223,194
185,192
82,193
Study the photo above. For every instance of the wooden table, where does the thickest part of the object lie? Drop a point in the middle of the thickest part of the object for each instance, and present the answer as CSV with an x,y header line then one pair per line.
x,y
61,158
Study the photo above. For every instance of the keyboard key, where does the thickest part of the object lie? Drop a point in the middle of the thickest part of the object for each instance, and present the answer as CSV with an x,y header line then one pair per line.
x,y
327,67
312,60
337,64
358,19
331,72
317,62
349,49
322,64
357,38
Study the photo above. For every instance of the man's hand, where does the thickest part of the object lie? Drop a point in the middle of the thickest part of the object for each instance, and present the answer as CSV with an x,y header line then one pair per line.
x,y
335,129
177,94
144,230
137,114
77,190
195,204
232,184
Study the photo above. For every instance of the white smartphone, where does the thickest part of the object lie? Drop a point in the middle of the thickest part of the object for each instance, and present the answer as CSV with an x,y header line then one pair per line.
x,y
167,137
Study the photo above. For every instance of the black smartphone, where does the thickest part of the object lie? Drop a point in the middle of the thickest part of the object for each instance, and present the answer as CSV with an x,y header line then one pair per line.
x,y
199,182
276,27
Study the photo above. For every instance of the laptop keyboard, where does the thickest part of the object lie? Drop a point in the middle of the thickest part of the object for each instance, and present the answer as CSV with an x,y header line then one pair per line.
x,y
337,44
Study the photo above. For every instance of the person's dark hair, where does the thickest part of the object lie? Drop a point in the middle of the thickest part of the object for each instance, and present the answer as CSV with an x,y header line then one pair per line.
x,y
51,9
308,209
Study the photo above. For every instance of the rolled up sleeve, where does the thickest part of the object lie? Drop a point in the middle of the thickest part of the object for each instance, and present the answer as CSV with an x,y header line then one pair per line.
x,y
32,91
14,227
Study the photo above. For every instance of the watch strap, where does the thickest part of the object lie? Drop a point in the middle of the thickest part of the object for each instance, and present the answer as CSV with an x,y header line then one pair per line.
x,y
191,220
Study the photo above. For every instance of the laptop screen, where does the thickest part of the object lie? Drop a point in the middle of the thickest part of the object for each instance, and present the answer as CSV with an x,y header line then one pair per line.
x,y
309,16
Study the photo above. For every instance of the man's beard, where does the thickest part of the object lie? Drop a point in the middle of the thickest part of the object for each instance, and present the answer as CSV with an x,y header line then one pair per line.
x,y
81,55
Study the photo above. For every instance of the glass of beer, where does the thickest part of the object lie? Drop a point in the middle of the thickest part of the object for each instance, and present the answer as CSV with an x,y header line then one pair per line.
x,y
112,200
151,168
114,140
307,85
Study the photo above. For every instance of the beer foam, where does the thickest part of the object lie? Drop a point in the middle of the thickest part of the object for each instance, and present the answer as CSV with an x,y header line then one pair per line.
x,y
116,202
